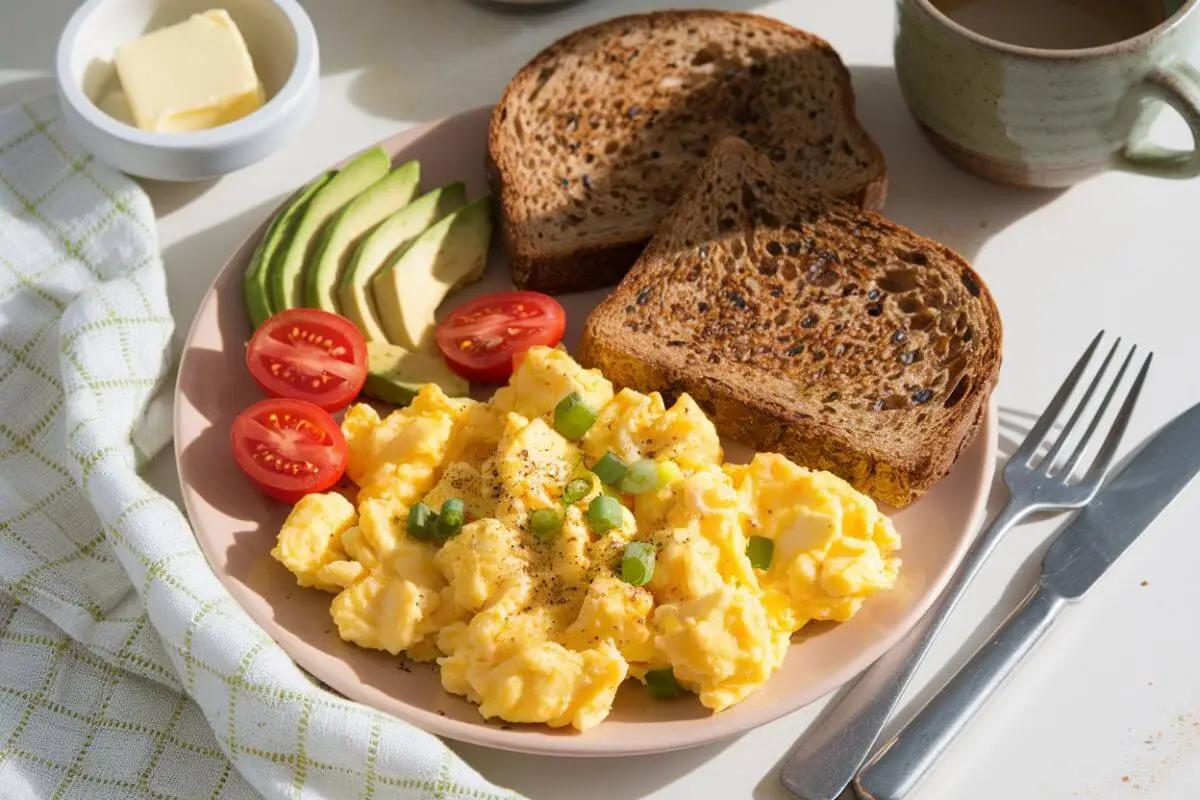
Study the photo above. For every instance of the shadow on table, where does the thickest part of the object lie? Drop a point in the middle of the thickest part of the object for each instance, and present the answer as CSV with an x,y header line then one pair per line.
x,y
193,262
28,37
627,778
167,197
419,60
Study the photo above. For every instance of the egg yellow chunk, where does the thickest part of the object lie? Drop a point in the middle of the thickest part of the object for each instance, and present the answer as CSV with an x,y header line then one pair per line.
x,y
482,563
687,566
723,644
523,606
310,541
397,457
465,482
617,613
833,547
475,436
635,425
545,376
385,612
391,606
533,464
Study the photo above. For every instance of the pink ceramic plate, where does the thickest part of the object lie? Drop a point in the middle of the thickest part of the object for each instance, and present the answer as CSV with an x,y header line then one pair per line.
x,y
236,527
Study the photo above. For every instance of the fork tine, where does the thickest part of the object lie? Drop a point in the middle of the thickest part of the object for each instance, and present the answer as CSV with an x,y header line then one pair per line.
x,y
1038,432
1113,440
1080,407
1073,461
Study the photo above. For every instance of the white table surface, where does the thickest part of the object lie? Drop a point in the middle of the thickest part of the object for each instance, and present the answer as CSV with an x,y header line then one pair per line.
x,y
1109,705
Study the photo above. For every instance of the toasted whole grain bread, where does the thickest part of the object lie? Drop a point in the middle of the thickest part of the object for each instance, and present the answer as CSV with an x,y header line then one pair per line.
x,y
806,326
594,139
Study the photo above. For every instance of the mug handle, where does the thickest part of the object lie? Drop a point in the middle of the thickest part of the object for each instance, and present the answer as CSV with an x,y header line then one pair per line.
x,y
1178,85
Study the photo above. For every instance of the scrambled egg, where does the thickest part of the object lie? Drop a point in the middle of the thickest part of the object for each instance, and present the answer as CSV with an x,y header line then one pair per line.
x,y
545,629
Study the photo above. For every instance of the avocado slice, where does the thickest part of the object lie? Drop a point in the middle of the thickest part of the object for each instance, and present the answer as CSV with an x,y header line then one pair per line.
x,y
449,254
395,375
274,242
391,236
323,273
286,280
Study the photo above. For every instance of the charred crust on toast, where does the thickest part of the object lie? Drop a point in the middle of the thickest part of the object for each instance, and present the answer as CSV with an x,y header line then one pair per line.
x,y
887,401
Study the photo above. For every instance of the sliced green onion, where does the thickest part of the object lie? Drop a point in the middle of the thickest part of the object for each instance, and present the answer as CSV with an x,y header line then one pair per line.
x,y
642,477
451,519
605,513
545,524
422,522
610,469
637,567
576,490
669,473
572,417
662,684
759,550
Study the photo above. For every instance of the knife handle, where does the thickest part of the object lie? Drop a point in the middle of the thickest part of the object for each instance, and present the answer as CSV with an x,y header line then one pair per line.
x,y
900,764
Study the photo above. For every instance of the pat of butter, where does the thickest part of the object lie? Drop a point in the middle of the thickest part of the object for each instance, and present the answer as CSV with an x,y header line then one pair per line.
x,y
191,76
116,105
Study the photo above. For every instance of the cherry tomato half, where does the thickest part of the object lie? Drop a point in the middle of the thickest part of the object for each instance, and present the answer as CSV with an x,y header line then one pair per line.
x,y
480,338
288,448
307,354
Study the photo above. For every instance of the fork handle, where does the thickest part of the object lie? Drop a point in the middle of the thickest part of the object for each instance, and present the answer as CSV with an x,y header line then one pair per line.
x,y
824,763
901,763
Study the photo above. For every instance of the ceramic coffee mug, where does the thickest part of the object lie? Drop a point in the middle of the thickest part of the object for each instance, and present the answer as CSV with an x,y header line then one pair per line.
x,y
1041,117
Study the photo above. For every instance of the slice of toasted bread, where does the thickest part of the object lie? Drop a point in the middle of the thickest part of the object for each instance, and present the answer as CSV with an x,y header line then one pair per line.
x,y
594,139
807,326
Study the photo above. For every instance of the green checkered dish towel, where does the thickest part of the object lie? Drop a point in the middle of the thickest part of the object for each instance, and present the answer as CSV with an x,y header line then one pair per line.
x,y
126,670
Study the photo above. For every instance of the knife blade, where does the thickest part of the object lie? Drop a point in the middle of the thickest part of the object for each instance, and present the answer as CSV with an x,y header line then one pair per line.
x,y
1124,508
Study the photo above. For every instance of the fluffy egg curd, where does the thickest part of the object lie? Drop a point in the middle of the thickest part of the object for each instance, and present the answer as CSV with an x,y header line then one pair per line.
x,y
547,545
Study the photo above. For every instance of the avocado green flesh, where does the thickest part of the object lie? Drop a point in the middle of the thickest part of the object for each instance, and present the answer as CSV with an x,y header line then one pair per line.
x,y
449,254
286,280
391,236
395,375
274,242
323,272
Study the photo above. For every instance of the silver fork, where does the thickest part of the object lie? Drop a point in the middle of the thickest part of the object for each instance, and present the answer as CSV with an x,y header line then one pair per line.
x,y
823,764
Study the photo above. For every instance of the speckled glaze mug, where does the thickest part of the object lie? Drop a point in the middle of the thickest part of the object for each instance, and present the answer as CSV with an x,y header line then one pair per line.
x,y
1049,117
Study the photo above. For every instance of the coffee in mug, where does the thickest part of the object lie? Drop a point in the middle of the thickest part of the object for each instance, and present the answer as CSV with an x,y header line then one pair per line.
x,y
1056,24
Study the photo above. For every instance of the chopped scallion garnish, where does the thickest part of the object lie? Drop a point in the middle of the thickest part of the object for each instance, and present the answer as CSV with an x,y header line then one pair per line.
x,y
422,522
605,513
572,417
760,549
450,520
642,477
610,469
545,524
637,567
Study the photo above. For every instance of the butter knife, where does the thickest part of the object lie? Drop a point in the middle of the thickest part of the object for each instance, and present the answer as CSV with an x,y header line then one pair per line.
x,y
1079,555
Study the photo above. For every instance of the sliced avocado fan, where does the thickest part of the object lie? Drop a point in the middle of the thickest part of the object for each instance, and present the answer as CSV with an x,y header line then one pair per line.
x,y
385,241
274,243
336,243
287,281
448,255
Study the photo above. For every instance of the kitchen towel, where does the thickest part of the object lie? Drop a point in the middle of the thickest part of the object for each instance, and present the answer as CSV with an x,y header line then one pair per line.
x,y
126,670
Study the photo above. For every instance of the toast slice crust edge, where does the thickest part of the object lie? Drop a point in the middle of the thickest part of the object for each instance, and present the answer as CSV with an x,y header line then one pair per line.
x,y
597,265
752,406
